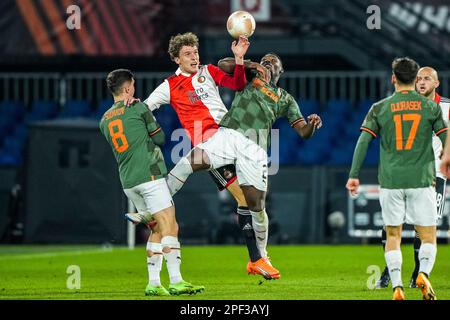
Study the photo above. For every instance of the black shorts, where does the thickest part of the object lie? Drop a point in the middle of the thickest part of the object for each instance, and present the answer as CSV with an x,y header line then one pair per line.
x,y
440,194
223,176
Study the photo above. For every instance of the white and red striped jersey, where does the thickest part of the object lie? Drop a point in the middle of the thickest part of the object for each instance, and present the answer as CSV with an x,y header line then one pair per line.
x,y
196,99
444,103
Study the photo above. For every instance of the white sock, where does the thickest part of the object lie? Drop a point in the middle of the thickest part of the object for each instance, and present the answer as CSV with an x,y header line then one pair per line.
x,y
427,256
394,263
154,263
173,258
260,222
178,175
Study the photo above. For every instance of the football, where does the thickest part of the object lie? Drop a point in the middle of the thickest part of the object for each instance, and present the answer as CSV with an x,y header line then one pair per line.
x,y
241,23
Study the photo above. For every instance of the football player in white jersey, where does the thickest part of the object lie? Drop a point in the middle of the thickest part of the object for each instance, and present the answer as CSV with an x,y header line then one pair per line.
x,y
427,83
193,93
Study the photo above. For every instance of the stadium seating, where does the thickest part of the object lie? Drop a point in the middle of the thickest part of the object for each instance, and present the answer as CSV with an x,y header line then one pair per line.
x,y
75,109
12,110
42,110
331,145
102,107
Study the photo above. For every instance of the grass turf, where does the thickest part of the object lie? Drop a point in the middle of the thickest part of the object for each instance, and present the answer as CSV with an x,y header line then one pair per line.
x,y
307,272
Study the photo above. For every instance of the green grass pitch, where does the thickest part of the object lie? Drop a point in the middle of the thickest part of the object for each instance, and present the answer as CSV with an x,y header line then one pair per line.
x,y
307,272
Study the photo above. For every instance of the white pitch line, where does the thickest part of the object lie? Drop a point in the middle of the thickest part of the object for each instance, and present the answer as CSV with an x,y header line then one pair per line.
x,y
53,254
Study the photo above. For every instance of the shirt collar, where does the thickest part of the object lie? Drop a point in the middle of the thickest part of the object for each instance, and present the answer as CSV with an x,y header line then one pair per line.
x,y
178,72
437,98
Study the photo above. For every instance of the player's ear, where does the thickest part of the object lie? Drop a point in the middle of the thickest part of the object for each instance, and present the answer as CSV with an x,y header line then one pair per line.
x,y
437,84
176,60
393,79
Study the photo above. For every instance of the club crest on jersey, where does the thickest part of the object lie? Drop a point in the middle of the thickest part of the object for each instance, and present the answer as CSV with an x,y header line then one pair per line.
x,y
201,79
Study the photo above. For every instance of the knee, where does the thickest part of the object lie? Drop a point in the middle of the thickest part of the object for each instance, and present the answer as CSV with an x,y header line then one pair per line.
x,y
393,233
256,204
199,159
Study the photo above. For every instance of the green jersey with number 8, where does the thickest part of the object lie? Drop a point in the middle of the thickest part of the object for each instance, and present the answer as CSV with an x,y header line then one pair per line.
x,y
129,130
405,121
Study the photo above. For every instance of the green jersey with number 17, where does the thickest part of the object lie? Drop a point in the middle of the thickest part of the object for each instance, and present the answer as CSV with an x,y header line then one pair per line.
x,y
128,130
405,121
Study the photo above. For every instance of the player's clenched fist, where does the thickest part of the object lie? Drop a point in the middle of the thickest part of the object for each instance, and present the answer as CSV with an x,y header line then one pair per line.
x,y
352,186
315,120
445,165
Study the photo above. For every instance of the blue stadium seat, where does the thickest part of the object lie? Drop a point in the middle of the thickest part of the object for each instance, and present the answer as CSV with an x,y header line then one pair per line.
x,y
41,110
314,151
308,107
338,106
342,154
21,132
6,126
12,110
364,105
7,158
102,107
75,109
13,145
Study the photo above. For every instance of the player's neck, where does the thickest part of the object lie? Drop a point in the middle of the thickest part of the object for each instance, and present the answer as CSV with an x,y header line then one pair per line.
x,y
122,97
402,87
432,95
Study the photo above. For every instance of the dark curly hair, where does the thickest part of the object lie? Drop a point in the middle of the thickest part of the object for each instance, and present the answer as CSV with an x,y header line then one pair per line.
x,y
177,42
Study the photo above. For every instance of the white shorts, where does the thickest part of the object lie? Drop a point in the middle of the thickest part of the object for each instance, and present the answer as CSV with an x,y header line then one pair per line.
x,y
152,196
412,206
228,146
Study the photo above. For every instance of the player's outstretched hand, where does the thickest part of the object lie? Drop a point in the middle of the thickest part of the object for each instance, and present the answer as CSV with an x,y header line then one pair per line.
x,y
240,47
352,186
445,165
130,101
262,71
315,120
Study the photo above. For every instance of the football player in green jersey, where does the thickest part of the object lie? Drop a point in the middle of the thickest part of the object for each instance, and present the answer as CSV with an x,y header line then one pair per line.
x,y
135,137
427,83
243,139
405,122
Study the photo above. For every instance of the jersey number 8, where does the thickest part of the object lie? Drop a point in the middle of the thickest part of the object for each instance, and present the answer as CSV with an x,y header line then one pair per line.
x,y
117,135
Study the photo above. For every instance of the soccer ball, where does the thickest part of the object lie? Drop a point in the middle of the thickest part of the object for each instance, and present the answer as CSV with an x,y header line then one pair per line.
x,y
241,23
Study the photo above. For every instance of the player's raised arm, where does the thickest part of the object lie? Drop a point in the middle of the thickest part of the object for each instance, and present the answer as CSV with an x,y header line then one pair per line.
x,y
237,80
227,65
153,128
307,129
291,111
239,49
159,97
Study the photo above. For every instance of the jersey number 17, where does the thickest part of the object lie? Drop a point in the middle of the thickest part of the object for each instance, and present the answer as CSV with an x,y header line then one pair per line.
x,y
399,119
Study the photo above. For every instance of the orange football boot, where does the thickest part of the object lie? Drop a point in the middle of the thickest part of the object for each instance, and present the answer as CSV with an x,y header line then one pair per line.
x,y
398,294
424,285
264,268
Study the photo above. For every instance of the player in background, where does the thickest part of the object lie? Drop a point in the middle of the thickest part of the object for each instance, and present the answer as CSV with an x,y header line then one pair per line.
x,y
193,93
445,161
427,83
135,137
243,139
405,121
